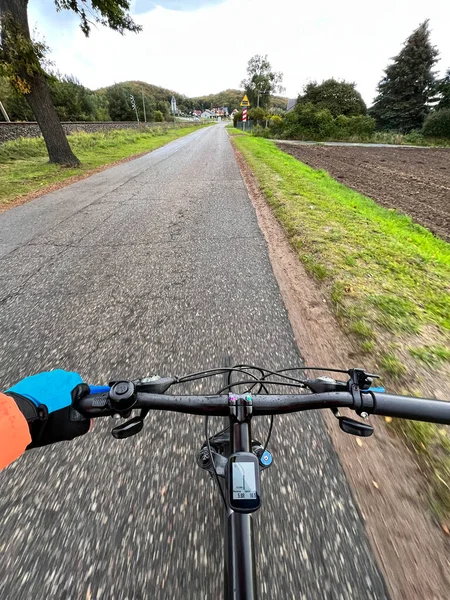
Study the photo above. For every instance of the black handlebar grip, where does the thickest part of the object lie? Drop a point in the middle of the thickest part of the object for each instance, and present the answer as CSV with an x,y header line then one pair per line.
x,y
416,409
94,405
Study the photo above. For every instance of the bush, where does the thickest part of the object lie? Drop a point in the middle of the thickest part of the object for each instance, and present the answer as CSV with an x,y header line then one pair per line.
x,y
414,137
237,117
308,122
276,124
158,116
257,114
259,131
311,122
360,126
437,124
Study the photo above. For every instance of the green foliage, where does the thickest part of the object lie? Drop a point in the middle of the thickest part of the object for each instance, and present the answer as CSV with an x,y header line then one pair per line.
x,y
231,99
120,108
339,97
261,81
361,126
443,91
437,124
257,114
74,102
408,84
260,131
309,122
15,104
111,13
158,116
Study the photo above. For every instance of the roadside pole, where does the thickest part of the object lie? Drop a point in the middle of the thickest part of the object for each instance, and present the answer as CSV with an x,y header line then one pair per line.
x,y
245,104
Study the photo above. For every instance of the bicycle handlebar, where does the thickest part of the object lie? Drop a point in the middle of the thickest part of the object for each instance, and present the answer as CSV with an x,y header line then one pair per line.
x,y
419,409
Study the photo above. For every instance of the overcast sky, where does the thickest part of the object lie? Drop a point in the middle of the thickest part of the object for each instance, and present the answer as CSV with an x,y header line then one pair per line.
x,y
196,47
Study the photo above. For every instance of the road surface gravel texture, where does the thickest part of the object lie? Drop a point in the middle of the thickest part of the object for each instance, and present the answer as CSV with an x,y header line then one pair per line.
x,y
158,266
413,181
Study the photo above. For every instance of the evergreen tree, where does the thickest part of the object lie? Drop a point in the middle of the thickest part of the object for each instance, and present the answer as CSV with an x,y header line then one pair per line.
x,y
409,82
443,91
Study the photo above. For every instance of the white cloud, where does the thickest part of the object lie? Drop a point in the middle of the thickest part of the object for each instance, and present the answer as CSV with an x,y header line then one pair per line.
x,y
206,50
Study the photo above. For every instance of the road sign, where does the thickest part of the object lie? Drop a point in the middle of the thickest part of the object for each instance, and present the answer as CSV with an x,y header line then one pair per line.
x,y
173,105
244,114
245,101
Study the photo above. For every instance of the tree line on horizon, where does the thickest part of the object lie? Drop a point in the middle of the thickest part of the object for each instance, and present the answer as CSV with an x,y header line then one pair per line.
x,y
409,95
75,102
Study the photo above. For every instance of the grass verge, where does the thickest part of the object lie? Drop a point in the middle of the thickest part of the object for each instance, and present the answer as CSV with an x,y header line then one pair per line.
x,y
387,278
24,166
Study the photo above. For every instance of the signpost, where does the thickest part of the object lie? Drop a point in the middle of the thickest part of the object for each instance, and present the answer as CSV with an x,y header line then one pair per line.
x,y
245,104
133,104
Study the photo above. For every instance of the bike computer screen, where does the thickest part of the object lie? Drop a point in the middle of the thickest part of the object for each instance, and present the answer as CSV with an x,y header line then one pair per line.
x,y
243,482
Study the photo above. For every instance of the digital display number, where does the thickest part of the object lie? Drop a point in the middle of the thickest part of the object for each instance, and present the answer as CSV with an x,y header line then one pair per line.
x,y
244,481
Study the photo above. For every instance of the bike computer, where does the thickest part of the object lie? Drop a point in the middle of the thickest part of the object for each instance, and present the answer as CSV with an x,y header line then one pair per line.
x,y
243,482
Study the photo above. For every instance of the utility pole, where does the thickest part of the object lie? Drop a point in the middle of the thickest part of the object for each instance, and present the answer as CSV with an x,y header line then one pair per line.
x,y
143,104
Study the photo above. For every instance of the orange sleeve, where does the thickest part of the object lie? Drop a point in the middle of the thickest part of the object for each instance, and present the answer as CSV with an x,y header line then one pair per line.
x,y
14,431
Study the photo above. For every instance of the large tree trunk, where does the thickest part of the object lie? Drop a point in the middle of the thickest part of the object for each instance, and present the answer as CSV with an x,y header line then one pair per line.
x,y
39,97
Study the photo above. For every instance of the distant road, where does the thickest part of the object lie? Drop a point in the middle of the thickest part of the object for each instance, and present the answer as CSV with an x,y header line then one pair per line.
x,y
158,266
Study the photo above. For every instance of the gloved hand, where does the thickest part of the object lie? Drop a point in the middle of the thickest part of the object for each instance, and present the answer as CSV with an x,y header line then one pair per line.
x,y
45,400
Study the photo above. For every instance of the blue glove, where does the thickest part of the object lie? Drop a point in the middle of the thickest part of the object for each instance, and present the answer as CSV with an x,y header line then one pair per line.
x,y
51,388
45,400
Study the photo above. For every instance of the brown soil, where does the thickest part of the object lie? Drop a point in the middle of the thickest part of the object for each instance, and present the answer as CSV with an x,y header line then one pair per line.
x,y
415,181
411,549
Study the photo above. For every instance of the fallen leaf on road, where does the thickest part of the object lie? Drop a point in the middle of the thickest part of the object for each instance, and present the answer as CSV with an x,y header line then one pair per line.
x,y
388,419
375,485
445,528
359,442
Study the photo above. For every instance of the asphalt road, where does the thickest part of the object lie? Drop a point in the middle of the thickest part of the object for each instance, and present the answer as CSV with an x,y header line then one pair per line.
x,y
158,266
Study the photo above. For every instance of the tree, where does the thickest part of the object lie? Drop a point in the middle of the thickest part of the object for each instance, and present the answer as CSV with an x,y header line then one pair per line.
x,y
443,91
74,102
339,97
22,60
404,92
437,124
261,81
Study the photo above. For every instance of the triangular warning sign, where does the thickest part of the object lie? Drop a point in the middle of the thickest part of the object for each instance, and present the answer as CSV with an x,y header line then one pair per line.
x,y
245,101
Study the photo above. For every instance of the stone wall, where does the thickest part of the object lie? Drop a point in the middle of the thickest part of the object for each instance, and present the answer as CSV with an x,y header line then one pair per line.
x,y
13,131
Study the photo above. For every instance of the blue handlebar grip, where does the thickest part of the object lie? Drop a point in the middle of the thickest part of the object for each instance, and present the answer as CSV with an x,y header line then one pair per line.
x,y
380,390
99,389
